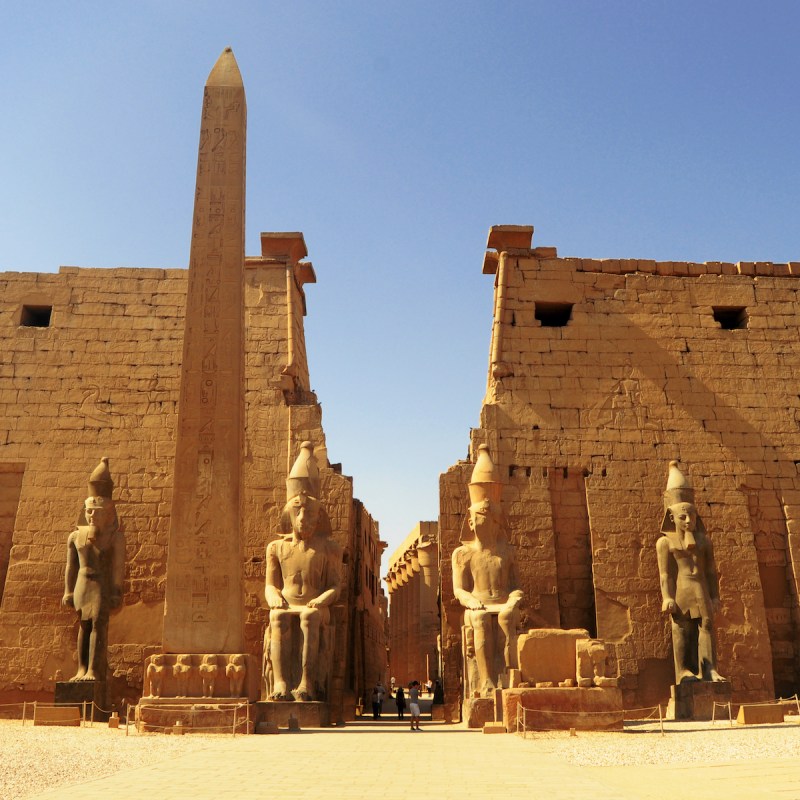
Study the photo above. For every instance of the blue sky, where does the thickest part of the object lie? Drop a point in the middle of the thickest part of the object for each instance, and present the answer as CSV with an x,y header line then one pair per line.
x,y
394,134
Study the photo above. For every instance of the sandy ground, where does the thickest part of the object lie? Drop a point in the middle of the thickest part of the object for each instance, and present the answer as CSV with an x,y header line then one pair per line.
x,y
35,759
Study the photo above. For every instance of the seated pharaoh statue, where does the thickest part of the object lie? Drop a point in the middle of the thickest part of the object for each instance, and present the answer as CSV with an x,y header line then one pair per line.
x,y
485,584
302,583
689,584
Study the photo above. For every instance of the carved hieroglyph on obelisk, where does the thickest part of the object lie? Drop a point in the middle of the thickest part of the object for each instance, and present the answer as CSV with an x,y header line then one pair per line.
x,y
204,608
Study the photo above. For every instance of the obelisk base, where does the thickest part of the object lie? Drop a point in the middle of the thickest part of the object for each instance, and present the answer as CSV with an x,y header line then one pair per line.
x,y
194,715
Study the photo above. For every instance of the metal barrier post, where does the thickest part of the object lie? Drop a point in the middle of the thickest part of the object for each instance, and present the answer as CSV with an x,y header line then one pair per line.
x,y
730,713
83,715
24,711
713,712
127,714
235,714
247,721
92,723
660,719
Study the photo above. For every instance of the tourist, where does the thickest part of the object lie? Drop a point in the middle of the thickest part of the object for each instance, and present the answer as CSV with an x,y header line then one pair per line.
x,y
377,700
400,701
413,704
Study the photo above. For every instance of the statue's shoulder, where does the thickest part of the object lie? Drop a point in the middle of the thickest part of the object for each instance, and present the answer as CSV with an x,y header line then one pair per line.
x,y
275,547
462,555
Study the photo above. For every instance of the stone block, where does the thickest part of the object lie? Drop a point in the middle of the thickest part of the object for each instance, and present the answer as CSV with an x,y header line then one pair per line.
x,y
479,711
760,714
69,716
547,655
561,709
494,727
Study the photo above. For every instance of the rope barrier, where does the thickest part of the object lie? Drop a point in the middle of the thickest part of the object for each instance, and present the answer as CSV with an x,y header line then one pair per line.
x,y
524,711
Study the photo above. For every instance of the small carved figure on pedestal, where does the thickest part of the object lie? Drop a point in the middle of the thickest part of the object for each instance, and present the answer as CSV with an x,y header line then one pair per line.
x,y
208,674
94,573
591,664
181,671
689,583
155,674
235,672
302,582
485,583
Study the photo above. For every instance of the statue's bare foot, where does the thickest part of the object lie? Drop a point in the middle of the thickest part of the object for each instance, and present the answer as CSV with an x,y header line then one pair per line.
x,y
78,676
713,675
89,676
302,693
687,676
281,692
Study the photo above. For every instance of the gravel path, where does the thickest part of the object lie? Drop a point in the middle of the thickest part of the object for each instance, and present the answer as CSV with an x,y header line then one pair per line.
x,y
683,743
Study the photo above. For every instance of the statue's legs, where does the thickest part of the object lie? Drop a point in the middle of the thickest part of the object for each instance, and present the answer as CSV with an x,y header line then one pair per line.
x,y
683,634
311,620
705,651
280,651
82,647
508,620
483,637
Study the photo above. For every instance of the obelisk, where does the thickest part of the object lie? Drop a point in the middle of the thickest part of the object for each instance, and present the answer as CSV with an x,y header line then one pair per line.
x,y
204,604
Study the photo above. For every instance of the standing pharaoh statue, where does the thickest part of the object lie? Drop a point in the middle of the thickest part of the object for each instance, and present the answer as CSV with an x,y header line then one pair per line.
x,y
94,573
302,583
485,583
689,584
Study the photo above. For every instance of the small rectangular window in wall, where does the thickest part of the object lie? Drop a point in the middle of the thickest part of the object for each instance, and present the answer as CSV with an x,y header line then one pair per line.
x,y
730,318
36,316
553,315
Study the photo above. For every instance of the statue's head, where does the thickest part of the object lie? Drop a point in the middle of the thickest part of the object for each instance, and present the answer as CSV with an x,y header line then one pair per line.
x,y
237,659
303,513
209,659
99,509
680,514
683,517
100,512
486,517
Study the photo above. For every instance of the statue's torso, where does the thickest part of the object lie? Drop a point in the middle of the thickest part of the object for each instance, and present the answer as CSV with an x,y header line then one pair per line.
x,y
691,586
490,572
304,568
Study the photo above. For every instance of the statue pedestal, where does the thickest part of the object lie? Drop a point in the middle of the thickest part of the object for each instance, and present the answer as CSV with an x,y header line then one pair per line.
x,y
308,714
695,699
195,715
69,693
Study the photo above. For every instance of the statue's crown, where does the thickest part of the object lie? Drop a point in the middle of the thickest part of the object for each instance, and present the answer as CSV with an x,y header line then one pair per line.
x,y
485,483
100,482
304,475
679,487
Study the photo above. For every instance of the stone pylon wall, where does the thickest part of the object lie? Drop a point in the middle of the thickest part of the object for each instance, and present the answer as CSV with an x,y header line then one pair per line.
x,y
103,379
583,419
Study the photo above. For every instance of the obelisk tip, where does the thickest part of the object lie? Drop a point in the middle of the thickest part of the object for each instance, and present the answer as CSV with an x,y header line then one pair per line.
x,y
225,71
